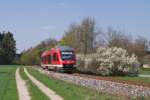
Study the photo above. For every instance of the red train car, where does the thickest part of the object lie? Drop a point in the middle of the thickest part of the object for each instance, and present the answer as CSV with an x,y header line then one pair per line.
x,y
61,58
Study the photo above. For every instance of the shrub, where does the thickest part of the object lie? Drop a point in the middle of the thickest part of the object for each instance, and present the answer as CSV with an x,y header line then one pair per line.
x,y
109,61
80,63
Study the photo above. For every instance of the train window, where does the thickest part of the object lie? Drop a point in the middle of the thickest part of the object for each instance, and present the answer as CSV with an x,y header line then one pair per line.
x,y
67,55
44,59
49,59
55,58
41,59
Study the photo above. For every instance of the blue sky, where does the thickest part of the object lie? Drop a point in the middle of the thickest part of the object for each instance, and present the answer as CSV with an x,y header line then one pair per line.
x,y
32,21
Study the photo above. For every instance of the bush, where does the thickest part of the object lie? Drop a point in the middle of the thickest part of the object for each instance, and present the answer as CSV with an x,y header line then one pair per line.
x,y
109,61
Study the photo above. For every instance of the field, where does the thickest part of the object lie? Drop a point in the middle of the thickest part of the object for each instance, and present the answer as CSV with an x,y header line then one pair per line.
x,y
8,88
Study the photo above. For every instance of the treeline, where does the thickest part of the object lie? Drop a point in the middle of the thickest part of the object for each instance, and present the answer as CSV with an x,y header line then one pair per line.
x,y
86,37
7,48
32,55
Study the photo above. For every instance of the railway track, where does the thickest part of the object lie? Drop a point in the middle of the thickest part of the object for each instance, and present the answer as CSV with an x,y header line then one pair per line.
x,y
106,78
113,79
110,85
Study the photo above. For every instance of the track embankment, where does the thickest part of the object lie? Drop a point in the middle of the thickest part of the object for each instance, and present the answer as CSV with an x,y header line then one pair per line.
x,y
103,85
22,87
51,94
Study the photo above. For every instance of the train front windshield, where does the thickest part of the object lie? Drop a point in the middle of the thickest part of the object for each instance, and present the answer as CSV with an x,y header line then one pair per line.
x,y
67,55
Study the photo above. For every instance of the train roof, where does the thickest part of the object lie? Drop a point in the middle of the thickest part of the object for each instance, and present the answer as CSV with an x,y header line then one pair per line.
x,y
46,53
64,48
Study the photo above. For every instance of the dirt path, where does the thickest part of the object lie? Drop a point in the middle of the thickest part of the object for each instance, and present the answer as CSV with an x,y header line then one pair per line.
x,y
22,88
51,94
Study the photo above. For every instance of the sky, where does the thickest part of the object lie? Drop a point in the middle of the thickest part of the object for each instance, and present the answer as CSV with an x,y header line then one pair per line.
x,y
32,21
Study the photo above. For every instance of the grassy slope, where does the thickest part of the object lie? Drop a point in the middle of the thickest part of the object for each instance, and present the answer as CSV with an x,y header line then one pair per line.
x,y
8,89
35,93
70,91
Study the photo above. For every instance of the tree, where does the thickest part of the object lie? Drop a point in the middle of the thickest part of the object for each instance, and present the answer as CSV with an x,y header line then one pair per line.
x,y
117,39
108,61
1,50
89,35
140,48
32,55
49,43
8,48
82,37
72,37
27,57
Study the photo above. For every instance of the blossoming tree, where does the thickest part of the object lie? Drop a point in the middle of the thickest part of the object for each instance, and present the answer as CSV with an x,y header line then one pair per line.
x,y
109,61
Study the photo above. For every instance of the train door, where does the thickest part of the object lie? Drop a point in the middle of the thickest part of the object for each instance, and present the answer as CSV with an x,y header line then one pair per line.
x,y
49,59
55,58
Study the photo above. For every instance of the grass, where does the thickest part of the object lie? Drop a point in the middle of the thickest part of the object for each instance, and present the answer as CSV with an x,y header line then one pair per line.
x,y
145,71
4,78
140,79
34,91
8,90
70,91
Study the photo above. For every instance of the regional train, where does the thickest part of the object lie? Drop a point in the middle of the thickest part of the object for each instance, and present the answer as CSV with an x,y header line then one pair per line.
x,y
60,58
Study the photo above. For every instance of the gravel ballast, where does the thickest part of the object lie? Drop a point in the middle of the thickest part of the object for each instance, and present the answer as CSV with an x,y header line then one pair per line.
x,y
102,85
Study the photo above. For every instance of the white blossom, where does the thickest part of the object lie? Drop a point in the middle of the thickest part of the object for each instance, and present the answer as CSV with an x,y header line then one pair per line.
x,y
110,59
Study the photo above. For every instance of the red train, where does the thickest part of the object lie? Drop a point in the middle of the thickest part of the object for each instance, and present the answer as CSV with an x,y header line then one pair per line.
x,y
61,58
